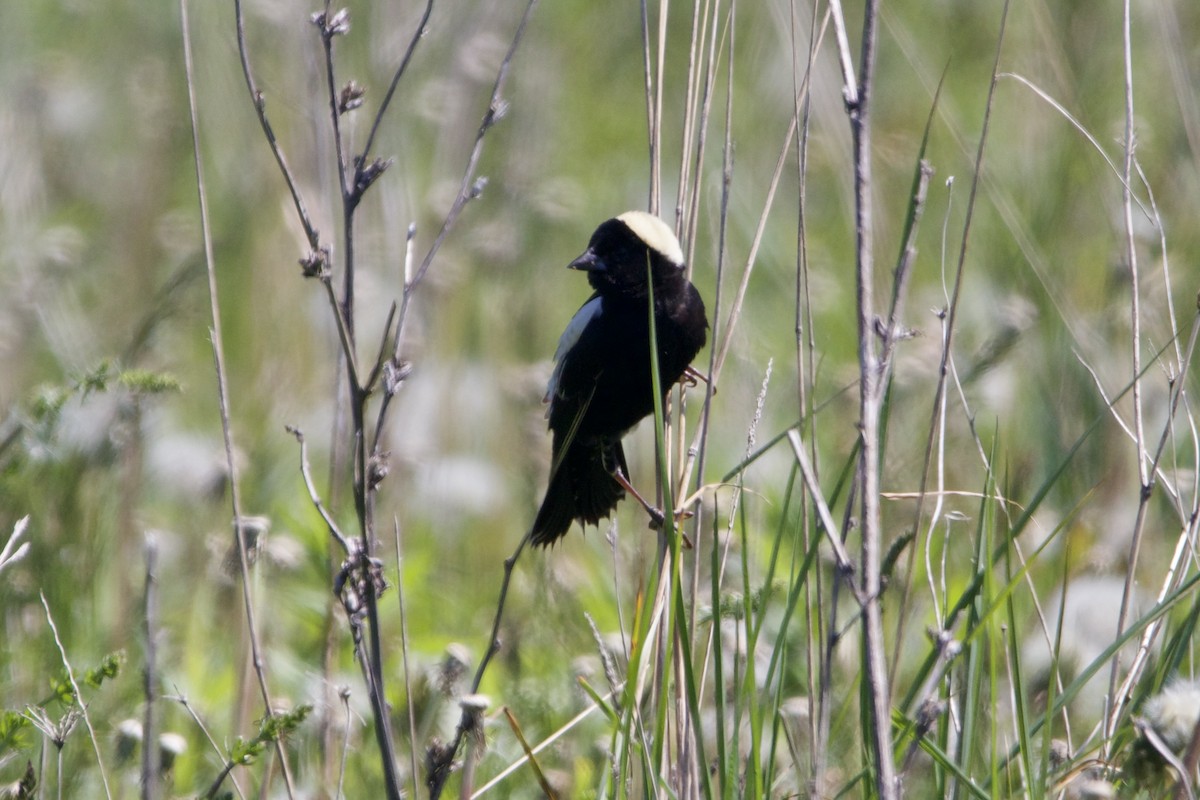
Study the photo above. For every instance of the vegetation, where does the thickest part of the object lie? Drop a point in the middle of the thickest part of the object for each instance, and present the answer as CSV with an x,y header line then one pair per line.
x,y
972,570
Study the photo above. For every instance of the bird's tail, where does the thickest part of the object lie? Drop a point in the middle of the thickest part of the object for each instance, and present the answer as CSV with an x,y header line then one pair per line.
x,y
581,488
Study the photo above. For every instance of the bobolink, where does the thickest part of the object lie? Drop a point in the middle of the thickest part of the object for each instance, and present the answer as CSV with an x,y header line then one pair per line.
x,y
601,386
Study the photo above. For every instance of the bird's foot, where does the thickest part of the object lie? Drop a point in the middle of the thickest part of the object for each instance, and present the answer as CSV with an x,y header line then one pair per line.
x,y
692,376
657,518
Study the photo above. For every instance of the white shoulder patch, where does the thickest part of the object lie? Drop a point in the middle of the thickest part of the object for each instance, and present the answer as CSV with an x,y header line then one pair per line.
x,y
569,337
654,232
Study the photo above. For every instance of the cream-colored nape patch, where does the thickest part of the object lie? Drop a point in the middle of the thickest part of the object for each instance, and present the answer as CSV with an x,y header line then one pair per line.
x,y
655,233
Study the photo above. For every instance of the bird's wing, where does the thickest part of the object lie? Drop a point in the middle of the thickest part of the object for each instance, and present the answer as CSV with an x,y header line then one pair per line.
x,y
586,313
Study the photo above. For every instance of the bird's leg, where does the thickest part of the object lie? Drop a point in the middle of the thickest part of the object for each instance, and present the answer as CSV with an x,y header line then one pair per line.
x,y
656,514
657,518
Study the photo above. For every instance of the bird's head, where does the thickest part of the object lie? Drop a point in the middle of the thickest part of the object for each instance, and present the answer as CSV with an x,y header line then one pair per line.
x,y
620,250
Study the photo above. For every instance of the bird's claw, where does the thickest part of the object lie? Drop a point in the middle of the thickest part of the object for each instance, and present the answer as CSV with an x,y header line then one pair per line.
x,y
692,376
658,519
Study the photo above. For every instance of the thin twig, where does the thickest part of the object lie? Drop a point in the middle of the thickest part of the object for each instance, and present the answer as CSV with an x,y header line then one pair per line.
x,y
344,329
1145,473
530,756
150,752
818,498
408,692
1185,542
845,60
735,311
870,406
1077,125
892,333
470,188
697,453
443,761
351,191
260,669
178,697
344,694
62,651
818,705
347,548
331,27
549,740
260,109
1184,790
418,34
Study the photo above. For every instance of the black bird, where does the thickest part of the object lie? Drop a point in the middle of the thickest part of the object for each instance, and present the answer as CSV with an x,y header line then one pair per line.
x,y
601,386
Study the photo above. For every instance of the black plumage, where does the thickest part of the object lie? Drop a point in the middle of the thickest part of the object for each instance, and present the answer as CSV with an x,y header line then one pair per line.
x,y
601,386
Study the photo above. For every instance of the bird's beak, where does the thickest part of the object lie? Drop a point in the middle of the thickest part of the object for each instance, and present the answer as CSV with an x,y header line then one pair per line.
x,y
589,262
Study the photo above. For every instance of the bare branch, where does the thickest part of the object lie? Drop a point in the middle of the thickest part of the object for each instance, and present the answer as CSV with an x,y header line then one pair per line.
x,y
150,751
330,523
472,187
418,34
259,665
260,108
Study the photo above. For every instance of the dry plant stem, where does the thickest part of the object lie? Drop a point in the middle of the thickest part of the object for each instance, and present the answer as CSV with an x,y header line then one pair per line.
x,y
1145,484
752,257
260,108
845,566
1166,267
439,771
150,754
351,193
494,640
1191,757
351,190
408,694
654,99
344,312
892,334
1185,541
937,414
470,187
345,743
381,711
306,473
701,449
344,329
567,727
1160,476
724,335
805,375
529,755
216,747
1184,789
870,403
948,649
845,60
685,225
1077,125
260,669
418,34
696,454
62,651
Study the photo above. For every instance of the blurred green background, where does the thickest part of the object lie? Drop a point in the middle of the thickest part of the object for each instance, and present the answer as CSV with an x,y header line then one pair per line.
x,y
101,260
